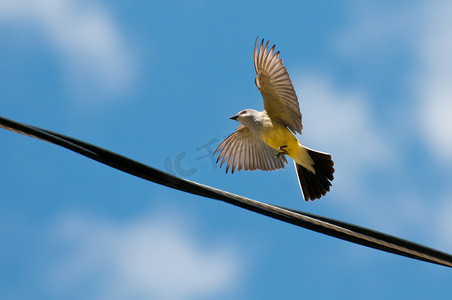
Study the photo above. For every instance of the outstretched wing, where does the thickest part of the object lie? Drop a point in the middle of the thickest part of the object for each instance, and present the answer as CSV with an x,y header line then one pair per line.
x,y
273,81
243,149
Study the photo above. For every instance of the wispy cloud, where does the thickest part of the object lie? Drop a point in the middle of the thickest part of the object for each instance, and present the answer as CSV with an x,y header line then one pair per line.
x,y
419,31
152,257
340,122
91,46
433,82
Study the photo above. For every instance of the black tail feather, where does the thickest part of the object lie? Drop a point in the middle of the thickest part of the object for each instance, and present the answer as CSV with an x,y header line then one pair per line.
x,y
316,185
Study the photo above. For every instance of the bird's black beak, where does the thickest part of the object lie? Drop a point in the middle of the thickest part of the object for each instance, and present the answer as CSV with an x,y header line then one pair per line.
x,y
233,117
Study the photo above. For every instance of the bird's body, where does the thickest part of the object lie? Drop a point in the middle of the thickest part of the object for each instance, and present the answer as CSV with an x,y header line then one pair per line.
x,y
276,134
265,137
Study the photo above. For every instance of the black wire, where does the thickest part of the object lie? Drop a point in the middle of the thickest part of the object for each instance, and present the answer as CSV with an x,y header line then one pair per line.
x,y
328,226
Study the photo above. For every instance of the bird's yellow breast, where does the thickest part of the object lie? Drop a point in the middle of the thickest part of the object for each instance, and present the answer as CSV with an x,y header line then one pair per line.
x,y
278,135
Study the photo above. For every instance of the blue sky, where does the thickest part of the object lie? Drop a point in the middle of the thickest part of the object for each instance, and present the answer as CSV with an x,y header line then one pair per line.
x,y
157,81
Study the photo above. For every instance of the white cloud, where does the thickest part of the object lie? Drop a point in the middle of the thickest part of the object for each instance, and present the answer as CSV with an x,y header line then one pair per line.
x,y
86,37
422,30
341,123
434,80
152,257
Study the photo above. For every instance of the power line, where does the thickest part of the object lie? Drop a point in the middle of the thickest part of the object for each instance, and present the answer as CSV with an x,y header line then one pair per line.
x,y
342,230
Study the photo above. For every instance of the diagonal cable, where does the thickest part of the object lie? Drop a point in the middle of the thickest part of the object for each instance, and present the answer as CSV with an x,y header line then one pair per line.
x,y
342,230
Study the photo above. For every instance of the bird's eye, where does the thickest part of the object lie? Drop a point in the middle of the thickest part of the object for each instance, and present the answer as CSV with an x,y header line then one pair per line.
x,y
243,112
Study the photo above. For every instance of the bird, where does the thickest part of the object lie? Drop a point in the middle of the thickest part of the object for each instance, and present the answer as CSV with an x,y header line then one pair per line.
x,y
265,138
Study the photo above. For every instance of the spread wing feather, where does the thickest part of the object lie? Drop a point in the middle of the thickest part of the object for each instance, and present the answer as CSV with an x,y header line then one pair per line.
x,y
243,149
273,81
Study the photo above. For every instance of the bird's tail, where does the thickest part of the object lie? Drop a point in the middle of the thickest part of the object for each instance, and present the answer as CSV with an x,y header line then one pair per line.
x,y
316,185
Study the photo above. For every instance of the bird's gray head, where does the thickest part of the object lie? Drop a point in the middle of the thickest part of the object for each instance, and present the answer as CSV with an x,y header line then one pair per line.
x,y
247,117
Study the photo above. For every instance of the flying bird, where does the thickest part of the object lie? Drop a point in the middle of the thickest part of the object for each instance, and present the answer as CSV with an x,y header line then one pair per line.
x,y
264,138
